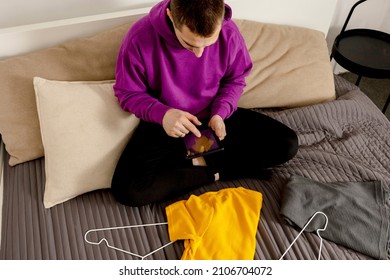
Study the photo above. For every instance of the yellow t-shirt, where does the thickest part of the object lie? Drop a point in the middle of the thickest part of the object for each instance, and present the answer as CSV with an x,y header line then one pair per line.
x,y
216,225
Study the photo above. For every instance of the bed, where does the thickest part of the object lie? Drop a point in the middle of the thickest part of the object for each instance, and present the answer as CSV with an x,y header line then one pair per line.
x,y
56,199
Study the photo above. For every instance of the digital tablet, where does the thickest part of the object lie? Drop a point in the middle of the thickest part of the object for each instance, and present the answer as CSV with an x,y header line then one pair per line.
x,y
204,145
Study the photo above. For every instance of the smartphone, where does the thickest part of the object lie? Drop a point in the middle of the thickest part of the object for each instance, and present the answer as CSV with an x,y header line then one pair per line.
x,y
206,144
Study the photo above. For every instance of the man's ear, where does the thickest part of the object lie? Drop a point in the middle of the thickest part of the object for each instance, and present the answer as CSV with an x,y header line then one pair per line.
x,y
169,13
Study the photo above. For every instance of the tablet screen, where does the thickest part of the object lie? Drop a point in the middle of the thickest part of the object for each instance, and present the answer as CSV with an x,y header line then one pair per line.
x,y
200,146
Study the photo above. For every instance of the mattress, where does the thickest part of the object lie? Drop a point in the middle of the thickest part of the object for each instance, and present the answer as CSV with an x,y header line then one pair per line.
x,y
1,178
344,140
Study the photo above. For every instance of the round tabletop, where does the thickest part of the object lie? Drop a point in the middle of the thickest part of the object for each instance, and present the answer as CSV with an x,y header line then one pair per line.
x,y
365,52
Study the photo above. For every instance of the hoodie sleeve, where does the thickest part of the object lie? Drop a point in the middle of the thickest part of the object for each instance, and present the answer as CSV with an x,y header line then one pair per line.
x,y
233,82
131,85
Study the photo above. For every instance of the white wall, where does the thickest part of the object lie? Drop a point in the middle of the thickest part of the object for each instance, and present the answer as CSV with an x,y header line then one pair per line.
x,y
316,14
21,12
27,27
372,13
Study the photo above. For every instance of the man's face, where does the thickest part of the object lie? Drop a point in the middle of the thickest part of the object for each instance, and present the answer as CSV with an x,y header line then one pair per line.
x,y
194,42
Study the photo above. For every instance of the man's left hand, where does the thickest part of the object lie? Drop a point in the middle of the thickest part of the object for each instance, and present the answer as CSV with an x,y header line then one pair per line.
x,y
218,125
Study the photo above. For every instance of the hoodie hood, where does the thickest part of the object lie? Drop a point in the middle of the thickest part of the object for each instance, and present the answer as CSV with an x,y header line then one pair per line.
x,y
162,24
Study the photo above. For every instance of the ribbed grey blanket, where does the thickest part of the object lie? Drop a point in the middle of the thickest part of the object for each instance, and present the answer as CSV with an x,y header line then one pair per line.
x,y
358,215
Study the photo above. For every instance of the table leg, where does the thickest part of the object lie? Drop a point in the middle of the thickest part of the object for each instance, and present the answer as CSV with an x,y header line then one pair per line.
x,y
386,104
358,80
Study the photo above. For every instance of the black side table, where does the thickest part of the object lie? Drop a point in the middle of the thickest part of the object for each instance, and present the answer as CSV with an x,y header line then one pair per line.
x,y
365,52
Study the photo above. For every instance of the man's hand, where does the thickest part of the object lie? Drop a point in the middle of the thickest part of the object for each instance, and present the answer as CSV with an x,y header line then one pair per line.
x,y
178,123
218,125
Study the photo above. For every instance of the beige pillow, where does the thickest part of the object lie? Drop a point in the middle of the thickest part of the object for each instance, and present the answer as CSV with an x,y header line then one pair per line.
x,y
291,66
84,132
88,59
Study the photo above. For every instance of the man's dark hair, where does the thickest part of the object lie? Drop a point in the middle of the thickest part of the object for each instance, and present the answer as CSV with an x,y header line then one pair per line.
x,y
201,16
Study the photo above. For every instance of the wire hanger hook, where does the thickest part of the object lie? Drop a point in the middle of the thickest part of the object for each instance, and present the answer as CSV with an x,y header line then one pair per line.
x,y
317,231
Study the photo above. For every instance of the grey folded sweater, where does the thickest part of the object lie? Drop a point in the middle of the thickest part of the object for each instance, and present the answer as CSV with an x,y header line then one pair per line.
x,y
358,213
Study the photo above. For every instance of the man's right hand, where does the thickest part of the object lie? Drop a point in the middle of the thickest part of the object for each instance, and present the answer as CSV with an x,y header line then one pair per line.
x,y
178,123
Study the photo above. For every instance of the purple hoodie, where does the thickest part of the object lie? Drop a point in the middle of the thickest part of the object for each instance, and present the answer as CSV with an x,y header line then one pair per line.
x,y
155,73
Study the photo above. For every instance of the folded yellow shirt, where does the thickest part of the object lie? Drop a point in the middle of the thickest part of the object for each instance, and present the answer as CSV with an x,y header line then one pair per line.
x,y
216,225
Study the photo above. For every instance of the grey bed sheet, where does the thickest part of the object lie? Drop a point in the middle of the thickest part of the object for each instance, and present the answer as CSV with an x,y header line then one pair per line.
x,y
344,140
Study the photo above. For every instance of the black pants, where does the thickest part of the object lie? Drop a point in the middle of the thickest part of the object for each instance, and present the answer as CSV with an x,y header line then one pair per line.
x,y
153,166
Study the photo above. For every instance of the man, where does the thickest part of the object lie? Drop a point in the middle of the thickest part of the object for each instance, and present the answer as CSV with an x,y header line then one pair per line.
x,y
182,66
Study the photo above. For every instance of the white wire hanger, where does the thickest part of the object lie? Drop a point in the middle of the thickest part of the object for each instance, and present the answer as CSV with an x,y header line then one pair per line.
x,y
142,257
318,233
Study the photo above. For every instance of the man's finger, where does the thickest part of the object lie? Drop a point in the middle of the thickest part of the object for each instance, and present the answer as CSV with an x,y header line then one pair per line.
x,y
191,123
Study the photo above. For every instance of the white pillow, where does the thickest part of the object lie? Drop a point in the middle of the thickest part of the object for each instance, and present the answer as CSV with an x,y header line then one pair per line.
x,y
84,132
